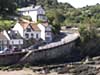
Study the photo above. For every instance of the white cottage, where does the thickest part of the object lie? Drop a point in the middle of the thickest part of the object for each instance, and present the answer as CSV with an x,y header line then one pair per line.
x,y
10,40
30,30
35,12
14,38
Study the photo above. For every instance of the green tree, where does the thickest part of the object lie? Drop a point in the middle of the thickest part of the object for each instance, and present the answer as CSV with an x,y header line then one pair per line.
x,y
88,31
6,24
7,7
55,18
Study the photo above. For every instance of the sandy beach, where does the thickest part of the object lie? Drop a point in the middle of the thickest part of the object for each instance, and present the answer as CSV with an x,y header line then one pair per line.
x,y
20,72
23,72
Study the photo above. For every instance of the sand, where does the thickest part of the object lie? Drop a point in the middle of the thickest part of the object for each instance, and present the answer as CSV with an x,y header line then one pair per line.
x,y
19,72
23,72
26,71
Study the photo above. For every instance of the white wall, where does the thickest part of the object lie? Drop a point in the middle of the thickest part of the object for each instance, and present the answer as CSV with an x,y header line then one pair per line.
x,y
34,35
45,31
32,32
33,15
18,28
6,34
16,42
25,13
42,28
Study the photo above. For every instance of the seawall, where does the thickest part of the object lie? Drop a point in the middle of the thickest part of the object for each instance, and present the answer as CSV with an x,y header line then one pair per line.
x,y
51,54
44,55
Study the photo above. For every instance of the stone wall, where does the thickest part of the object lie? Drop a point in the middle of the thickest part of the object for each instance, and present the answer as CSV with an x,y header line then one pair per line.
x,y
50,55
46,55
11,58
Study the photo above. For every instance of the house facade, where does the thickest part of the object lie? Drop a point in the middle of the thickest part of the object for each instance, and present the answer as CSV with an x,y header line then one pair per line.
x,y
10,40
35,12
28,30
14,38
37,31
46,31
3,41
32,31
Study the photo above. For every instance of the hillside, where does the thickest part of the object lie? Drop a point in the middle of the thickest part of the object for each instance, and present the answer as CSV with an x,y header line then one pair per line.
x,y
68,14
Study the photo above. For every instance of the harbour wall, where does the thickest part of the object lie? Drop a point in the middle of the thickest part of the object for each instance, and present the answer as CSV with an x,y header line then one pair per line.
x,y
47,54
51,54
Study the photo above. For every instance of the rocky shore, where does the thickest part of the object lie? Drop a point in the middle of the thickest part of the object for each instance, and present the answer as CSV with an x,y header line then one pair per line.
x,y
87,67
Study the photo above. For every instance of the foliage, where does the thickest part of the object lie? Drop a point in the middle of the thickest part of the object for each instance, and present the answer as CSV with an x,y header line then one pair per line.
x,y
47,3
7,7
27,18
89,45
87,32
40,21
6,24
24,3
55,19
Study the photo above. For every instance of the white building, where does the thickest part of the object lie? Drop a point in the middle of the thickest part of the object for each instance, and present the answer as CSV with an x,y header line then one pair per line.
x,y
46,31
29,30
35,12
10,39
13,38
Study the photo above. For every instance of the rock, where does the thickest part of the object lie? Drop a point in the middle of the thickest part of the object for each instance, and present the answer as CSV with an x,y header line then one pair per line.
x,y
96,58
86,70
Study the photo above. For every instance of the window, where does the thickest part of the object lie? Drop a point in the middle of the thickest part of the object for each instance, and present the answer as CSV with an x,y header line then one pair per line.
x,y
32,35
28,30
0,48
47,38
40,17
26,35
36,35
0,42
48,33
